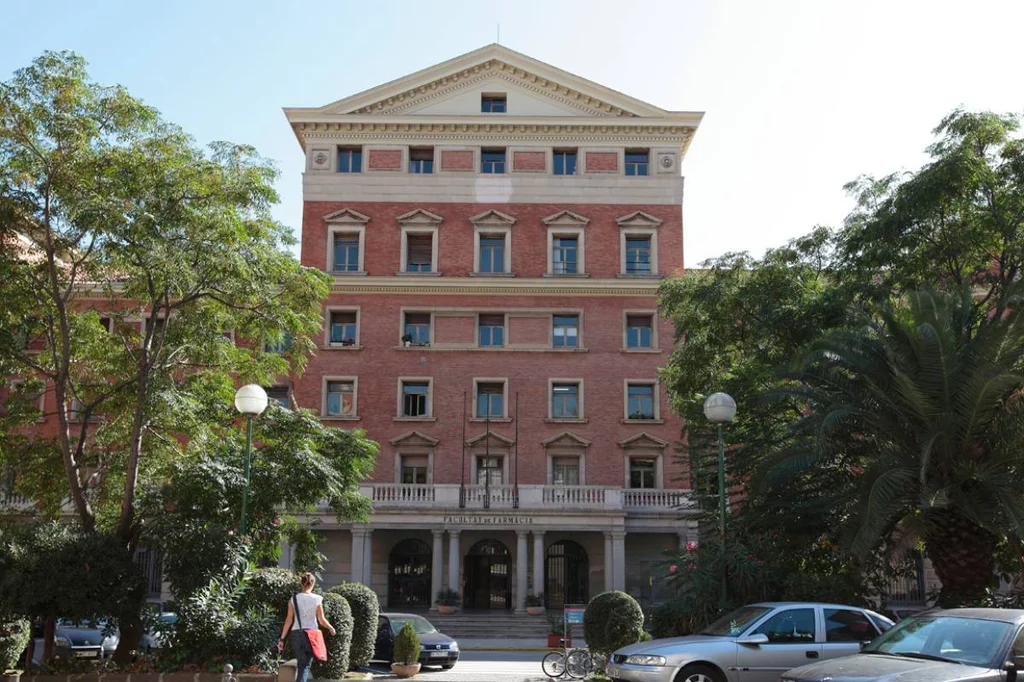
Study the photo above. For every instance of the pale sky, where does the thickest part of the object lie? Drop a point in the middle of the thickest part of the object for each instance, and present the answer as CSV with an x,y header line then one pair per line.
x,y
800,96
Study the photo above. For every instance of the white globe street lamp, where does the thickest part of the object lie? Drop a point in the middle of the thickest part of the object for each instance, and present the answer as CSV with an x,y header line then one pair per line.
x,y
720,409
250,400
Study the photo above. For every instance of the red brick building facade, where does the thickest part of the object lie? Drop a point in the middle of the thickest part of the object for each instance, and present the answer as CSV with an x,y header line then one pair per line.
x,y
497,229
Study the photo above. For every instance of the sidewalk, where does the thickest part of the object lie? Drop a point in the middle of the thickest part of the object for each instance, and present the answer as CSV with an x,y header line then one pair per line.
x,y
512,644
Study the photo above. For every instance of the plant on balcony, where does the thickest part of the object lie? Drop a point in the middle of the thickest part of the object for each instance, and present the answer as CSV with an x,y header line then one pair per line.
x,y
407,339
535,604
348,342
448,600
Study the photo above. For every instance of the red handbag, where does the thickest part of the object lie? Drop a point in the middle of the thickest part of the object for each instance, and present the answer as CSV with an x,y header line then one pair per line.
x,y
316,638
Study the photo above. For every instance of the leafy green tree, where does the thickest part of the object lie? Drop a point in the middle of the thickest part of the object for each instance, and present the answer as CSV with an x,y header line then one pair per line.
x,y
920,417
130,256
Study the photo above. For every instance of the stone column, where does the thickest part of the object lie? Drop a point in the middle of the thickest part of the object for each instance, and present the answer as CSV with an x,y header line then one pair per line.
x,y
521,564
609,578
454,562
368,558
358,542
437,567
538,561
619,559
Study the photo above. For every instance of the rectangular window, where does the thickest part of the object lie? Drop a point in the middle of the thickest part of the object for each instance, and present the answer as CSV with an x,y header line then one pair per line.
x,y
565,255
844,625
566,331
75,409
280,395
280,346
341,399
346,252
641,401
565,471
638,331
414,398
419,253
490,400
636,161
421,160
343,328
564,162
565,403
417,329
641,473
638,255
492,253
488,470
492,330
414,469
492,161
493,104
350,159
107,323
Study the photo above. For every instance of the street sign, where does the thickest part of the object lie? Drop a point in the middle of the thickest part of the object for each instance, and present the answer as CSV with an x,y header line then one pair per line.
x,y
574,614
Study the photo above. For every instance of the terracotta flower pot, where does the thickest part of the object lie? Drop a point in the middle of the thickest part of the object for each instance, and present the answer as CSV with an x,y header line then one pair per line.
x,y
535,610
555,641
446,609
405,669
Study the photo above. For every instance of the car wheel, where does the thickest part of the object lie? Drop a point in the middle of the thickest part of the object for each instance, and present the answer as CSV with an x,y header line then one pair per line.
x,y
448,667
699,673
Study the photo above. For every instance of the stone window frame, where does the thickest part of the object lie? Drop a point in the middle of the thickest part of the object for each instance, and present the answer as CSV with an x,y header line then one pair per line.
x,y
328,311
555,451
354,380
481,451
567,224
346,221
648,453
476,329
638,223
504,399
403,311
655,397
648,312
492,223
402,380
404,451
579,330
13,386
420,222
581,415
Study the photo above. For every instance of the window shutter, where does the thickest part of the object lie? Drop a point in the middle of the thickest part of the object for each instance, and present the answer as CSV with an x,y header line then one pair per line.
x,y
420,249
638,321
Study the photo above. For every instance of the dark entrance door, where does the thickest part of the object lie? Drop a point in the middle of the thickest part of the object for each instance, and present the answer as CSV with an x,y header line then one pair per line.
x,y
566,574
409,574
488,579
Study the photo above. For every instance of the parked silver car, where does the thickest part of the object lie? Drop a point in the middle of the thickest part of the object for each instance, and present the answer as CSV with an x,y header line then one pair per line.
x,y
754,643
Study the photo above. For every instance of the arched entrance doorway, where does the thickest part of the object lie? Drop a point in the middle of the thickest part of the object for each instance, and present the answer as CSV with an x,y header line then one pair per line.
x,y
566,574
488,578
409,574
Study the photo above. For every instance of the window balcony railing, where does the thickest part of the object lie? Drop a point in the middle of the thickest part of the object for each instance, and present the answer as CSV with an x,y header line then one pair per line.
x,y
525,497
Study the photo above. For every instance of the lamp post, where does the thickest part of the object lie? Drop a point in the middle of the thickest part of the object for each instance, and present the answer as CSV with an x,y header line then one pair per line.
x,y
250,400
720,409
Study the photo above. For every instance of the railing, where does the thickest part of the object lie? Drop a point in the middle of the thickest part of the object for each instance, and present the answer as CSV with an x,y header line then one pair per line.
x,y
11,502
540,497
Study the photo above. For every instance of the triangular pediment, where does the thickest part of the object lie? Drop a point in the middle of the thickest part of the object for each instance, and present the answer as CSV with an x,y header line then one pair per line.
x,y
454,86
567,438
643,440
496,440
419,216
414,439
566,219
346,215
493,217
638,219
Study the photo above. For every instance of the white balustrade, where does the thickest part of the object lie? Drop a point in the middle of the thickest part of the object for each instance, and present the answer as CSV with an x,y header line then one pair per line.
x,y
538,497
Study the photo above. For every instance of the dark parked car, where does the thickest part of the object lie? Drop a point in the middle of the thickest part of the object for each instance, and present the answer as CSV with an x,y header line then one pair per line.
x,y
980,645
77,640
435,648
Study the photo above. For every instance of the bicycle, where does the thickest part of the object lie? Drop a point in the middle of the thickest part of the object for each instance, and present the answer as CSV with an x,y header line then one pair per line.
x,y
582,662
573,662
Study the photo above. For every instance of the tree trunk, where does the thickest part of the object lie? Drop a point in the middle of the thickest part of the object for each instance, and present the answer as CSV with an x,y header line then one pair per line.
x,y
963,554
49,626
130,629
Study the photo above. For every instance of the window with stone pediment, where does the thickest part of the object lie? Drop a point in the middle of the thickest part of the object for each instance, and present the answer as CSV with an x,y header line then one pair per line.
x,y
414,469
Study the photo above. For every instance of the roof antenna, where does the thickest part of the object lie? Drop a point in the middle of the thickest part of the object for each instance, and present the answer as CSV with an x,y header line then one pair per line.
x,y
499,34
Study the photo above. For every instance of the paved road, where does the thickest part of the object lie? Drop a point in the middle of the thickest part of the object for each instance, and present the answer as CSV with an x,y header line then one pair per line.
x,y
486,666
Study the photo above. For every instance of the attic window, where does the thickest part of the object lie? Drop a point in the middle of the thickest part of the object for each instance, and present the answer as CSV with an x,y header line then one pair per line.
x,y
493,104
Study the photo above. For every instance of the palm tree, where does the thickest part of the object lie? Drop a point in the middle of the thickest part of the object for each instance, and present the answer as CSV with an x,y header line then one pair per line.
x,y
921,414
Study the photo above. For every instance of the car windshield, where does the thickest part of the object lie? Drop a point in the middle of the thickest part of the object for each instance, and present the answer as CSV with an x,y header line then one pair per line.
x,y
735,622
422,626
963,640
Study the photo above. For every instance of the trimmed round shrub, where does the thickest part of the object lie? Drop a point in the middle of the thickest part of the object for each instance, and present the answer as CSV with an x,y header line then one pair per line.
x,y
338,614
612,620
365,614
269,587
14,634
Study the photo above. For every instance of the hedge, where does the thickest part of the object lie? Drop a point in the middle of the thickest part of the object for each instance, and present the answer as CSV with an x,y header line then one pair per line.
x,y
365,614
271,587
14,634
612,620
339,614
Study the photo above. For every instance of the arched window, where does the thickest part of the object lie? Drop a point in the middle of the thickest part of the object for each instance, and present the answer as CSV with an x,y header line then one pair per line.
x,y
566,574
409,574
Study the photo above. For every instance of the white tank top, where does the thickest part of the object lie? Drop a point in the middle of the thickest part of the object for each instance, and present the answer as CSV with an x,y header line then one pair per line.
x,y
307,603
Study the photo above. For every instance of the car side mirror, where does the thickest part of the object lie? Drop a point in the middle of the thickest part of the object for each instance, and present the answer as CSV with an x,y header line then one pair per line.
x,y
1010,668
753,640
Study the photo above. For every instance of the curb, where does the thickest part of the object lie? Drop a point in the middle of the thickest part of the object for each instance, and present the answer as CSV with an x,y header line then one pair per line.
x,y
508,648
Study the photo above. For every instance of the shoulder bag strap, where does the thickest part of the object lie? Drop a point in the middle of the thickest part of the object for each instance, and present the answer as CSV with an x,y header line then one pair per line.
x,y
295,602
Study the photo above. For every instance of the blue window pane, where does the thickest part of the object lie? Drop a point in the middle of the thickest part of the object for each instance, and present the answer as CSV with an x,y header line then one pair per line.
x,y
639,337
565,401
492,162
564,163
421,166
638,256
641,402
492,254
492,105
346,253
636,163
566,331
343,333
564,255
350,160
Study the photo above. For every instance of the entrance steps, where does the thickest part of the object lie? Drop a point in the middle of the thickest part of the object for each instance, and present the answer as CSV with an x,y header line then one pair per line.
x,y
490,625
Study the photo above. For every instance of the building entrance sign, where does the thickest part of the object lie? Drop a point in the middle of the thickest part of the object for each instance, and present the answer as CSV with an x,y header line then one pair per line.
x,y
487,520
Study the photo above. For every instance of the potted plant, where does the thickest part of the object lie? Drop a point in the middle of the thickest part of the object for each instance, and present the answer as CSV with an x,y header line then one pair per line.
x,y
447,601
535,604
557,629
407,340
406,652
14,636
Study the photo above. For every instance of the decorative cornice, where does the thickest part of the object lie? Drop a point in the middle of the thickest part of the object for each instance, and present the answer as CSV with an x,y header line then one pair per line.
x,y
493,217
563,218
414,437
638,219
566,437
419,216
346,215
502,440
473,286
643,439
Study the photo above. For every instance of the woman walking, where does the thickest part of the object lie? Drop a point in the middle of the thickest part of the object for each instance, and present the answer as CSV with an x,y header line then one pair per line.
x,y
310,612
